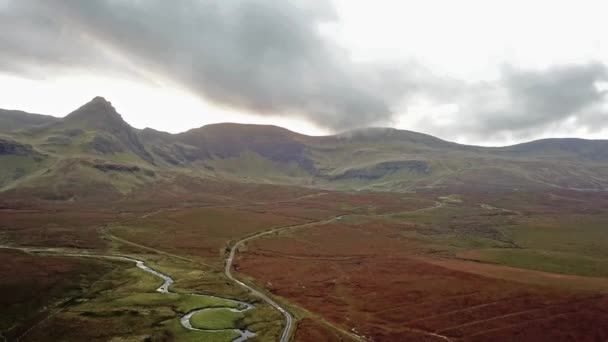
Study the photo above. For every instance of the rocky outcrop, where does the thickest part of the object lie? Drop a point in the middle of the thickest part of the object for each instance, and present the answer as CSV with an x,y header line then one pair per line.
x,y
10,147
383,169
109,167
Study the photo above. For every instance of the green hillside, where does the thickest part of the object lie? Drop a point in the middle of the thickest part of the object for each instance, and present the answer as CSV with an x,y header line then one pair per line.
x,y
94,152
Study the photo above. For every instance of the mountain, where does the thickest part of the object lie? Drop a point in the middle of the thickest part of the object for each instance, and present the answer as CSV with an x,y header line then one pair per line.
x,y
111,134
91,151
94,152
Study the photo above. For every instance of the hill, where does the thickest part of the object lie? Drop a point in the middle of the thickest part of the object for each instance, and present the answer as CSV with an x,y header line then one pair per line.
x,y
12,120
94,152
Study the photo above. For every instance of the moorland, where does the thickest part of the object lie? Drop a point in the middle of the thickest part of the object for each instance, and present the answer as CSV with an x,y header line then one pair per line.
x,y
270,235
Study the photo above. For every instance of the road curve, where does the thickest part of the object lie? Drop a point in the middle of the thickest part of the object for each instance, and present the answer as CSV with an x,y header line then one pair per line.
x,y
285,336
228,271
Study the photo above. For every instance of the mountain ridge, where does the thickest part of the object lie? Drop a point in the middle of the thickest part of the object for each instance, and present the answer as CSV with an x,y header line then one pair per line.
x,y
94,147
343,135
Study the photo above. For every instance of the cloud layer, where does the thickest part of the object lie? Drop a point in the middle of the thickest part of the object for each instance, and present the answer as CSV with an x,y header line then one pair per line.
x,y
523,103
269,57
265,56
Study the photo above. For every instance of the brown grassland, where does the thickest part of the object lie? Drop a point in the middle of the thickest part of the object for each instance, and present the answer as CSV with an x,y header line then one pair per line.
x,y
32,287
386,267
405,278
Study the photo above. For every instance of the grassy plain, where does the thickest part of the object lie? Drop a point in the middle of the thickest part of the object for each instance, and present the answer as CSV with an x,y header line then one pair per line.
x,y
479,267
417,276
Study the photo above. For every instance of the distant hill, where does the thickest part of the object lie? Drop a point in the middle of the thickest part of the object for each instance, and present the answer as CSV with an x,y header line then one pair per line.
x,y
94,152
578,149
13,120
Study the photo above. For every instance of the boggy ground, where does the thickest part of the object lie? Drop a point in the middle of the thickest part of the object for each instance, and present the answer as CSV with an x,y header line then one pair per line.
x,y
412,276
204,233
186,239
32,288
479,267
125,306
309,330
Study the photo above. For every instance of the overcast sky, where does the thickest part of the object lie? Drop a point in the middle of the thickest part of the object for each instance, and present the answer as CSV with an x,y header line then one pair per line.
x,y
484,72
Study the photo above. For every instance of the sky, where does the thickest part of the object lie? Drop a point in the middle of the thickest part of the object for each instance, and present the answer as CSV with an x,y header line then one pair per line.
x,y
478,72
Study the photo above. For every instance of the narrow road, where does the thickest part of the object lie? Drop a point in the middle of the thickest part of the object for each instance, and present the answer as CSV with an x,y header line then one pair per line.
x,y
286,335
287,331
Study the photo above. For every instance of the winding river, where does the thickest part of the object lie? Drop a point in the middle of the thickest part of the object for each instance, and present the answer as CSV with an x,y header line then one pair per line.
x,y
186,319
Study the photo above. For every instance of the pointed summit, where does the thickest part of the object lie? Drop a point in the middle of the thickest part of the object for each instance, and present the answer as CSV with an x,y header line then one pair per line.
x,y
97,113
111,132
97,105
101,101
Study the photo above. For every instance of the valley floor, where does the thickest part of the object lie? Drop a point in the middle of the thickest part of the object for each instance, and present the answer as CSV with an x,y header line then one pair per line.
x,y
345,266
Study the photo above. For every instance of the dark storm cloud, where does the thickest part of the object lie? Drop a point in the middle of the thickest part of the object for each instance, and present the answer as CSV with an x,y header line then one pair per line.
x,y
268,56
29,38
36,42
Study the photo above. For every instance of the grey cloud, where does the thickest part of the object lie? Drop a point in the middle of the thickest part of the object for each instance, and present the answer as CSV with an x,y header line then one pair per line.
x,y
37,43
266,56
541,97
524,103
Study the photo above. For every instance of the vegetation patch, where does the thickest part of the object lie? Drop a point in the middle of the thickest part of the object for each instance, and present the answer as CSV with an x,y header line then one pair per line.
x,y
216,319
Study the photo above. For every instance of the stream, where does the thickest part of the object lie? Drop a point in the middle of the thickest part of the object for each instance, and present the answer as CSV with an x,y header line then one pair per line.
x,y
186,320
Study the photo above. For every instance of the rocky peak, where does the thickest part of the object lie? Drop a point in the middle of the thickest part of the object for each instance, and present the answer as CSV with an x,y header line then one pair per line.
x,y
97,113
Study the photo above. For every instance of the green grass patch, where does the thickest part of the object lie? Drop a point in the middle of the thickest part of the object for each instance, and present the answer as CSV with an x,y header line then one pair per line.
x,y
181,334
570,245
581,235
180,302
547,261
217,319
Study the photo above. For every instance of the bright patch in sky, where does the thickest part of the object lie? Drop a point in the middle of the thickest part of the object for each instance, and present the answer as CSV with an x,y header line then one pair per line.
x,y
142,105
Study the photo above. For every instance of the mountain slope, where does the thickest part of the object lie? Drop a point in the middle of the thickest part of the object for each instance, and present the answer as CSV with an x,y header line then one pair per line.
x,y
94,151
112,135
13,120
574,149
90,151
